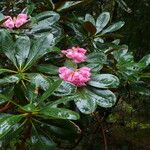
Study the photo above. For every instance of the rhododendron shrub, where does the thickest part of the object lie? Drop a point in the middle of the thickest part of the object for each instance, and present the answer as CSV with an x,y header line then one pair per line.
x,y
44,89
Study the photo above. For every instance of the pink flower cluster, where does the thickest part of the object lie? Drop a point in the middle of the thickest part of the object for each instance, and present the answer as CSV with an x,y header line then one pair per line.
x,y
77,54
15,22
77,77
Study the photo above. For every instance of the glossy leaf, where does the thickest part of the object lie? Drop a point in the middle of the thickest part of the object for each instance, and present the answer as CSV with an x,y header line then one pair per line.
x,y
63,100
90,18
144,62
98,40
39,49
59,113
50,90
10,79
44,21
114,27
3,99
47,14
23,47
64,129
30,92
84,102
96,60
70,64
97,57
30,108
102,21
141,88
8,123
124,6
104,98
6,94
40,81
3,70
1,16
95,67
104,81
48,69
68,4
8,49
65,89
41,141
29,9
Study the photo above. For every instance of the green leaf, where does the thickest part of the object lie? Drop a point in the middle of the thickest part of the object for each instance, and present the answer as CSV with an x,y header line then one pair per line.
x,y
124,6
10,79
90,18
104,98
104,81
1,17
6,94
141,88
54,49
97,57
30,92
144,62
29,9
39,81
67,5
39,49
22,47
63,100
95,67
44,21
59,113
102,21
48,68
8,49
7,123
98,40
3,70
70,64
96,60
145,75
114,27
84,102
65,89
41,141
3,99
50,90
122,55
64,129
30,108
48,14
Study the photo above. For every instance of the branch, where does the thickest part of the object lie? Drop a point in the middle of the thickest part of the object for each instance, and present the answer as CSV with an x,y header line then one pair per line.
x,y
102,129
6,107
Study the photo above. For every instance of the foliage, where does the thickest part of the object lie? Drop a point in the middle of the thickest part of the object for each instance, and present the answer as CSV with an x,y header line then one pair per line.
x,y
37,108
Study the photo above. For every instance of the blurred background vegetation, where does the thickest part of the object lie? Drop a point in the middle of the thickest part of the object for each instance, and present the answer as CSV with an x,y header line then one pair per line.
x,y
127,126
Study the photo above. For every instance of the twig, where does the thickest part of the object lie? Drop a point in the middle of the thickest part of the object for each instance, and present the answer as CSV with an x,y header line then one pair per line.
x,y
6,107
77,143
104,137
103,132
21,146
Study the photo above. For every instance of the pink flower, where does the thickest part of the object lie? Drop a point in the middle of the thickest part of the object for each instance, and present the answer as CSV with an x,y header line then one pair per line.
x,y
20,20
15,22
9,23
77,77
77,54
